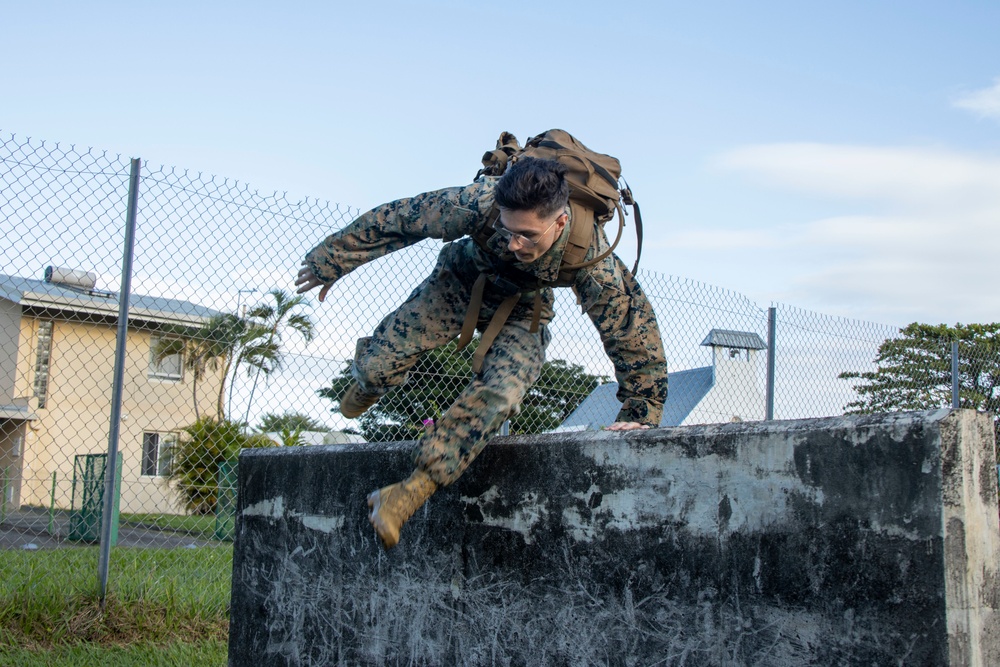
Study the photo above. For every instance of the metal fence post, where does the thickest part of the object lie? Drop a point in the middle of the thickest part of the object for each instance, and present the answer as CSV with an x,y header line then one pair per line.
x,y
955,402
772,319
110,487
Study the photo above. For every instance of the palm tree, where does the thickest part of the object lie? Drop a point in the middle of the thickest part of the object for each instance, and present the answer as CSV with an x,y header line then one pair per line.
x,y
226,342
247,344
274,320
201,349
222,345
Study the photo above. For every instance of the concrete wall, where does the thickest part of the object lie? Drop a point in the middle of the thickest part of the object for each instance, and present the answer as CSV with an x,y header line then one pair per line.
x,y
842,541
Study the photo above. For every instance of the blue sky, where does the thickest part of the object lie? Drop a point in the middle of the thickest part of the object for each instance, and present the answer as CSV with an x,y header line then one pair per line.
x,y
842,157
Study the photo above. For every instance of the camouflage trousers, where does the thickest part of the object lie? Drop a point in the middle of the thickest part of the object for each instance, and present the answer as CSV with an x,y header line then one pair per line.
x,y
432,317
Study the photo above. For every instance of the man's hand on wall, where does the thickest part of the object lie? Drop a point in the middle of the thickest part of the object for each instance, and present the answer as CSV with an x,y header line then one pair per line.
x,y
627,426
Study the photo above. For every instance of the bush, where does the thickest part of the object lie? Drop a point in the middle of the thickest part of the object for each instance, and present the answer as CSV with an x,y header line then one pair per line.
x,y
194,465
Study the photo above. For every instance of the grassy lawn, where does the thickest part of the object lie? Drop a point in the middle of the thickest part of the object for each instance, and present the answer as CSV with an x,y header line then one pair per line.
x,y
207,653
165,607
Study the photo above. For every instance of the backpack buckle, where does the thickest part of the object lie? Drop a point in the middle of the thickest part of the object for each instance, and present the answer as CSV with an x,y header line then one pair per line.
x,y
626,193
503,285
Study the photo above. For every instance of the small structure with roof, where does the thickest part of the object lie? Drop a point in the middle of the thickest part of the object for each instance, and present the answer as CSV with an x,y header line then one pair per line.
x,y
728,390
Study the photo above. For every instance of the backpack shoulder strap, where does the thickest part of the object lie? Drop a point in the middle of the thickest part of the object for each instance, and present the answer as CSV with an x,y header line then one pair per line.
x,y
573,263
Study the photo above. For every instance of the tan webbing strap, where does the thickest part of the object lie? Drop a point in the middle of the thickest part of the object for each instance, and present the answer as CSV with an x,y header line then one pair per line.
x,y
583,265
490,335
536,316
472,314
581,234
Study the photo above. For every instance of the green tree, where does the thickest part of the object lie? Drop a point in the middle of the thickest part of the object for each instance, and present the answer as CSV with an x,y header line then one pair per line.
x,y
195,459
228,342
215,346
274,423
914,370
442,374
188,342
223,345
277,319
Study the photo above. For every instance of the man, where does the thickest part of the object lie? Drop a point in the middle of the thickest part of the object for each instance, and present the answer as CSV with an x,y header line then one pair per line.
x,y
531,234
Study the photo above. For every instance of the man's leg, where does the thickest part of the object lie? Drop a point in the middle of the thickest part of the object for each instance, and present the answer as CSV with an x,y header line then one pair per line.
x,y
446,449
511,366
431,317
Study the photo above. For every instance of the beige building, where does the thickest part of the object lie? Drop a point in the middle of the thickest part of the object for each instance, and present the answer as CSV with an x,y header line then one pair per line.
x,y
57,357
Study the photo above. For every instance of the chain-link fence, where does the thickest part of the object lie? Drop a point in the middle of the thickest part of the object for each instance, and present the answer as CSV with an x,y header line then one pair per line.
x,y
220,354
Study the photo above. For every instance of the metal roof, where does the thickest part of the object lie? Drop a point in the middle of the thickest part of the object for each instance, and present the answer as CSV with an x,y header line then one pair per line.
x,y
17,410
40,294
743,340
687,388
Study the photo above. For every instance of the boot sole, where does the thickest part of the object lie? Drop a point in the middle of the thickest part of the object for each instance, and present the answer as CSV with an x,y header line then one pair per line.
x,y
350,406
375,519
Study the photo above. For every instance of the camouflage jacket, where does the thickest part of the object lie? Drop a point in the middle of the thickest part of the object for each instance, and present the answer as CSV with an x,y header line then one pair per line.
x,y
607,291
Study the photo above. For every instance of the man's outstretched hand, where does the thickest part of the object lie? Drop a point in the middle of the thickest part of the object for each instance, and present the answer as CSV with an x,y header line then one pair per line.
x,y
627,426
307,280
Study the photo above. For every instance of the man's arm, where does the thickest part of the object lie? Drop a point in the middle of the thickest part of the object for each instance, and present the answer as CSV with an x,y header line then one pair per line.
x,y
617,306
446,214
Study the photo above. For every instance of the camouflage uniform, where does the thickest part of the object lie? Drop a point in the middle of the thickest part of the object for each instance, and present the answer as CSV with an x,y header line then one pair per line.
x,y
433,315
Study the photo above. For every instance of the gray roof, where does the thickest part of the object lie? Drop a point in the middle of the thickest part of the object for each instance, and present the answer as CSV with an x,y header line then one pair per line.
x,y
743,340
686,389
40,294
16,411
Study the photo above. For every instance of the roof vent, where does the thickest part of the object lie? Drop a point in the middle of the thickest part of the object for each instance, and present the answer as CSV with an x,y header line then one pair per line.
x,y
82,280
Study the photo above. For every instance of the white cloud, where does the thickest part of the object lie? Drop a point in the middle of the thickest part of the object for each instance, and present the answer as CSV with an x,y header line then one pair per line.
x,y
894,175
985,102
920,246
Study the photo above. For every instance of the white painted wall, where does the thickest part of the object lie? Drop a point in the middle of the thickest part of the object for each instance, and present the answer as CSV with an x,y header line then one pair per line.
x,y
735,394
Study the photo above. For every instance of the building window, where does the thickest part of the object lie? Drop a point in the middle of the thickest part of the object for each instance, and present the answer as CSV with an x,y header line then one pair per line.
x,y
166,358
156,451
43,354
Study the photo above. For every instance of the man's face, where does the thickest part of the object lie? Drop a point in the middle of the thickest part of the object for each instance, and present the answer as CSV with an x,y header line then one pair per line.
x,y
529,236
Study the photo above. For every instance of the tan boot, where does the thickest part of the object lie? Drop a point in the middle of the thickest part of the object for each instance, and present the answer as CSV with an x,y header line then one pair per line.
x,y
355,402
392,505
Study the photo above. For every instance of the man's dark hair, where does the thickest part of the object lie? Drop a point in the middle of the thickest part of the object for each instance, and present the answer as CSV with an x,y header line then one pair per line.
x,y
532,184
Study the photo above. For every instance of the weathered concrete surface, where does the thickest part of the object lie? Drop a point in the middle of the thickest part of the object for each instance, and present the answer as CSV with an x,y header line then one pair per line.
x,y
842,541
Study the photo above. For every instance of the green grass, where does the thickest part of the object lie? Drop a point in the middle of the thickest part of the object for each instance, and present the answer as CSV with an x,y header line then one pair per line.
x,y
173,598
206,653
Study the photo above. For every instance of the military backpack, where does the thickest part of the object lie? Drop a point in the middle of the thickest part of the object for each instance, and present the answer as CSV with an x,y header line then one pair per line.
x,y
594,197
594,193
